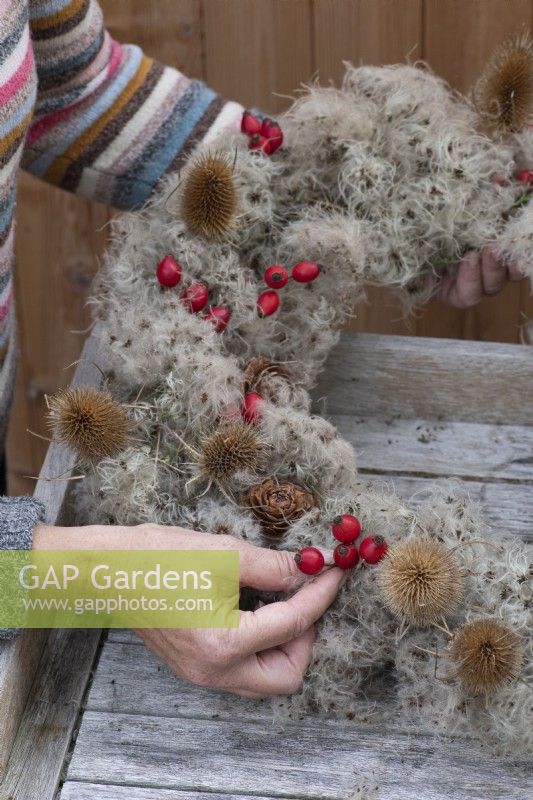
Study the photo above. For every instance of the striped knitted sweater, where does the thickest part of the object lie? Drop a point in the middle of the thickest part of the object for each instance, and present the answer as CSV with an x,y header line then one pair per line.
x,y
90,115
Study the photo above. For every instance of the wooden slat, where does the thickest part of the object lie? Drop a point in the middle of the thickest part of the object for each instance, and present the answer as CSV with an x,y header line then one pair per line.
x,y
131,680
169,30
20,659
253,49
432,448
100,791
303,761
46,728
429,378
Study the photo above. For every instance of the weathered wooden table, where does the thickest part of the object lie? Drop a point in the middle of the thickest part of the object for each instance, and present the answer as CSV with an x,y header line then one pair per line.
x,y
104,720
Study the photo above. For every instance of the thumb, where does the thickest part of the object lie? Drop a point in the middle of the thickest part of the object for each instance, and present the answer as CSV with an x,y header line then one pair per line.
x,y
271,570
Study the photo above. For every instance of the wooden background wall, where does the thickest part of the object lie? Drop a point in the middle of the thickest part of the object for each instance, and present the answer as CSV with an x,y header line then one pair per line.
x,y
246,49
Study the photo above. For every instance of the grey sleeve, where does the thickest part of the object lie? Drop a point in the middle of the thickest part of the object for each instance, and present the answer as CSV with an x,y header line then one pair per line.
x,y
18,518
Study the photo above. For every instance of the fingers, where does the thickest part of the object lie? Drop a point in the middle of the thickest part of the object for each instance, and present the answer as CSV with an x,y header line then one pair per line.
x,y
272,570
278,623
467,289
493,272
274,671
478,275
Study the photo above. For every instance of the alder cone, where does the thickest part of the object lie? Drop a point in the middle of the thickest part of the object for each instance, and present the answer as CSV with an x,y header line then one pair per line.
x,y
278,503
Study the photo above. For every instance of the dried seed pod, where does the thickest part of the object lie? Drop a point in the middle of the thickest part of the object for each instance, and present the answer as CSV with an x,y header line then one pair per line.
x,y
486,653
209,198
504,93
234,447
420,581
90,422
262,375
278,503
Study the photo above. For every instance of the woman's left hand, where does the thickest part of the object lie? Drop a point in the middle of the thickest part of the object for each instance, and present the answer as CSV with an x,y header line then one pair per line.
x,y
478,275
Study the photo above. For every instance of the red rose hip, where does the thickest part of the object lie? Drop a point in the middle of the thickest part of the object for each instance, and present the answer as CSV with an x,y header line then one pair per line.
x,y
250,125
168,272
268,303
373,549
305,271
276,276
219,316
346,528
273,133
257,142
195,297
345,556
309,560
524,176
251,407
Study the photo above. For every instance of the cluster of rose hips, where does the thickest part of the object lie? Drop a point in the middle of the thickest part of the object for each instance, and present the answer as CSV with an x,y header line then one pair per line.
x,y
346,529
276,277
264,135
196,295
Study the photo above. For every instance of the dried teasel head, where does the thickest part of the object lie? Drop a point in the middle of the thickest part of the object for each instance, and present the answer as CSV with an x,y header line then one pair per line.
x,y
89,421
233,447
420,581
486,653
504,93
209,197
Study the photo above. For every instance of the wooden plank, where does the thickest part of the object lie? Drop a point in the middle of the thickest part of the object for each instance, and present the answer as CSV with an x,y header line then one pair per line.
x,y
101,791
19,659
46,728
308,761
255,49
464,381
471,30
169,30
132,680
431,448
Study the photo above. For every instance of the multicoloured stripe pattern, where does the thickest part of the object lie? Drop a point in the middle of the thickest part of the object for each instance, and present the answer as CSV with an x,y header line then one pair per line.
x,y
90,115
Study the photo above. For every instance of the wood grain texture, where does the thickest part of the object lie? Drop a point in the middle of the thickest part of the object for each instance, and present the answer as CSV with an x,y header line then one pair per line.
x,y
99,791
53,706
22,670
305,760
255,49
432,448
439,379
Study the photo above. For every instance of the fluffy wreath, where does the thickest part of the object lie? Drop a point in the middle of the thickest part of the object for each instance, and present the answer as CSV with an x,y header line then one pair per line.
x,y
386,181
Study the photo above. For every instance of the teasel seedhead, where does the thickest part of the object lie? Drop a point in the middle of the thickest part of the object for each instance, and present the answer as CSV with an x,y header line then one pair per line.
x,y
90,422
209,197
504,93
233,447
420,581
486,653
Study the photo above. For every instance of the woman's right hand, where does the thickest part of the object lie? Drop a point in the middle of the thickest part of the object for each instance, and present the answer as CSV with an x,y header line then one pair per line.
x,y
268,654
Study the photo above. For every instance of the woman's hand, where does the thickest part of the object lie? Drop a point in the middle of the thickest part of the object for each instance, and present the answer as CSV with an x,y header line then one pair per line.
x,y
478,275
269,652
